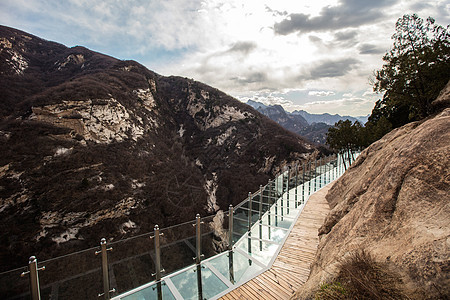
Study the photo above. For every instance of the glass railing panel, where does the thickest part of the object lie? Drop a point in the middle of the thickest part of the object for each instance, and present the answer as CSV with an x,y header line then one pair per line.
x,y
187,283
236,237
242,268
290,212
243,204
131,262
176,250
269,233
150,293
241,213
74,276
177,256
260,250
255,217
277,221
240,227
255,206
12,285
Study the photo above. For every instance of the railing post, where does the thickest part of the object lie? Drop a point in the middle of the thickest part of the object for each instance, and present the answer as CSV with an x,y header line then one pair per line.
x,y
158,269
230,227
103,252
198,242
320,172
303,182
34,277
282,192
315,175
287,188
198,259
296,183
260,216
309,177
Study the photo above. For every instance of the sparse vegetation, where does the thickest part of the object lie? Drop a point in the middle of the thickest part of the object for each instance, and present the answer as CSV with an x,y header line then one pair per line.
x,y
361,277
416,69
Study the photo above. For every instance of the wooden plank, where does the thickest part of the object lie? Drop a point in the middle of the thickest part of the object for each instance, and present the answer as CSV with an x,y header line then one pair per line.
x,y
292,266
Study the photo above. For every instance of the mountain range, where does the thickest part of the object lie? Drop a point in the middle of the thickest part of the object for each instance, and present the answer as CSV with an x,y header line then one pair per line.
x,y
94,146
311,126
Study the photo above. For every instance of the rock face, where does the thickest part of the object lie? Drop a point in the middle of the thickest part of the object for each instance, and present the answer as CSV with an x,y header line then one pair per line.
x,y
92,146
394,202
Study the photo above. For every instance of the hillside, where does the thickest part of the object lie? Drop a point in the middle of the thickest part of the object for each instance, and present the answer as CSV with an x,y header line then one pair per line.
x,y
94,147
391,210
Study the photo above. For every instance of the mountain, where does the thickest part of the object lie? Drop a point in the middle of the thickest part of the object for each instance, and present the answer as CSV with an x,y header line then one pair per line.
x,y
293,122
390,218
94,147
327,118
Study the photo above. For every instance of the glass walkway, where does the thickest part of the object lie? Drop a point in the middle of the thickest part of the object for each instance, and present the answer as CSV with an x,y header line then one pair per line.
x,y
201,260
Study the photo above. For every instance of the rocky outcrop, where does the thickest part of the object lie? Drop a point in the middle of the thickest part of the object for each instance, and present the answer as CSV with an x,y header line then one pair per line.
x,y
443,100
394,203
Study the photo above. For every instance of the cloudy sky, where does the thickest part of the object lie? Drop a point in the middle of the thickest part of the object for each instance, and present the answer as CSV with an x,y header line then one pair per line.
x,y
316,55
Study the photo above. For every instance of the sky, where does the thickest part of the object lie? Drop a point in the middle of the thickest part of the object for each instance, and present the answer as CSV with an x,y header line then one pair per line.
x,y
318,55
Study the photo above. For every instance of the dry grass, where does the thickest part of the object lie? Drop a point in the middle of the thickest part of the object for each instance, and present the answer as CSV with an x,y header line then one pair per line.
x,y
361,277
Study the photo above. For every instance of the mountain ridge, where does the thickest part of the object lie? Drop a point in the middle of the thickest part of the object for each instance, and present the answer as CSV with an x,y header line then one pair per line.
x,y
98,147
313,127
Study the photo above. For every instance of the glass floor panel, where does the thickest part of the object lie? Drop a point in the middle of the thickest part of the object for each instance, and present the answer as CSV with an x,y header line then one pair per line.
x,y
150,293
186,283
259,250
268,233
242,267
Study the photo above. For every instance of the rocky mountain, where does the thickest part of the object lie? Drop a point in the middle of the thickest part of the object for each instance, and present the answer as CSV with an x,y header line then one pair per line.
x,y
279,115
315,132
93,147
392,204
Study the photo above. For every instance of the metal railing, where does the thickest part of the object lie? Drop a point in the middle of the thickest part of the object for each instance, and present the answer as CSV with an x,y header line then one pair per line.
x,y
228,248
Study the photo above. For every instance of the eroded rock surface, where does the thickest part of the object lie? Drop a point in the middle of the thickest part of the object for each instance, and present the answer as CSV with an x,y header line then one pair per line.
x,y
394,202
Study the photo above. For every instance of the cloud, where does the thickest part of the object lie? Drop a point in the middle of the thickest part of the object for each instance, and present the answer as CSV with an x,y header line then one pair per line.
x,y
349,14
348,106
321,93
254,77
370,49
243,47
345,35
268,98
333,68
276,13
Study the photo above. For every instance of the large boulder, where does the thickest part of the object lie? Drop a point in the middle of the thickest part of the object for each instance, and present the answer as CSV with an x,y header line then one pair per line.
x,y
394,203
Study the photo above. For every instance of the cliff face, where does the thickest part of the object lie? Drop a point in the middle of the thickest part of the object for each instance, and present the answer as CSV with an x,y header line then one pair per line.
x,y
394,203
92,146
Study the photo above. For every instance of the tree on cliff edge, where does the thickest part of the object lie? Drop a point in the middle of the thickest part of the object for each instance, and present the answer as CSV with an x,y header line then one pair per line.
x,y
415,71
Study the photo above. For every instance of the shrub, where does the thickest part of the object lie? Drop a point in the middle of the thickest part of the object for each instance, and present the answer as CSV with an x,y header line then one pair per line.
x,y
361,277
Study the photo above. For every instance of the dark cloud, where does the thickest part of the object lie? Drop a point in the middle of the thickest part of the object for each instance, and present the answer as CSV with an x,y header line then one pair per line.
x,y
333,68
349,14
342,36
342,39
276,13
370,49
255,77
243,47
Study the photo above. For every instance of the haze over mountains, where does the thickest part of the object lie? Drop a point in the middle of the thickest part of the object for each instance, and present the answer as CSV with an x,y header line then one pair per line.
x,y
94,147
312,126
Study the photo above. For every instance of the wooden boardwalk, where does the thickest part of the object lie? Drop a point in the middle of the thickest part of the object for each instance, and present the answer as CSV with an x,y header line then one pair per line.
x,y
292,266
